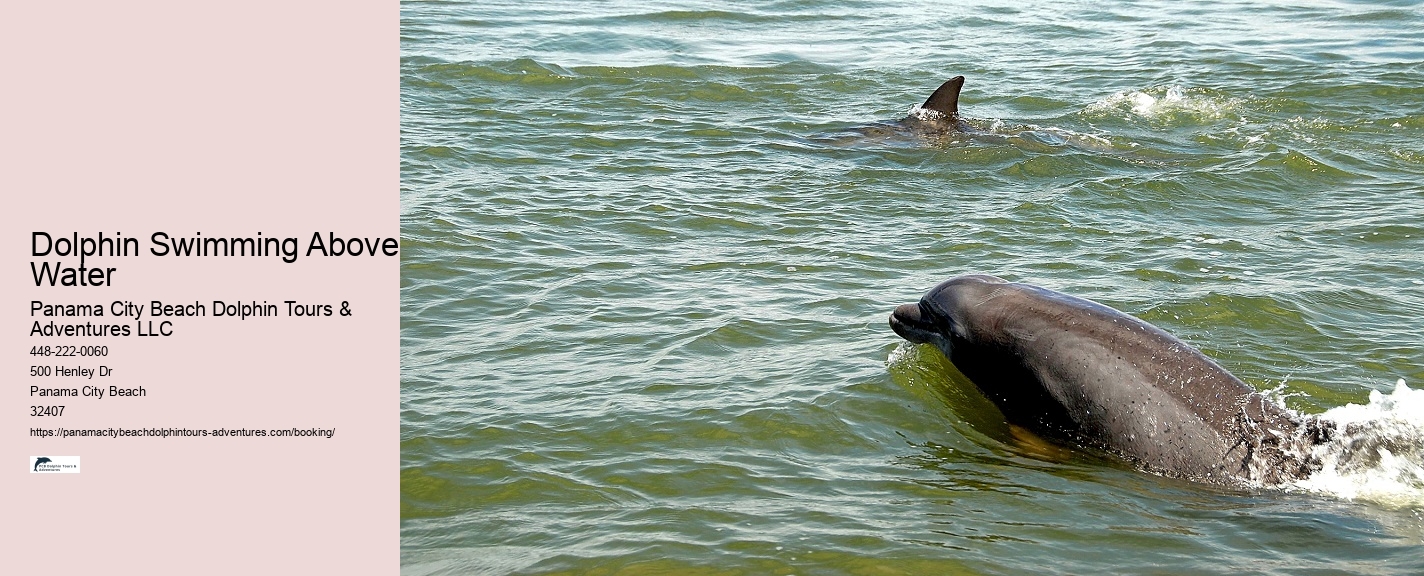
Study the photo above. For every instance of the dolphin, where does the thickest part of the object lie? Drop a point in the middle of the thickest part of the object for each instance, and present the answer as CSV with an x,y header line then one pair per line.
x,y
937,122
936,118
1082,373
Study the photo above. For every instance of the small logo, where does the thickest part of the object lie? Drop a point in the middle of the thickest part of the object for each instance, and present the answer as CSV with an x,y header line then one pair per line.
x,y
54,464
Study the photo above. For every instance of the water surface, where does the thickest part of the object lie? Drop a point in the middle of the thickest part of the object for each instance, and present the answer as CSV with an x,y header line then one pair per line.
x,y
650,250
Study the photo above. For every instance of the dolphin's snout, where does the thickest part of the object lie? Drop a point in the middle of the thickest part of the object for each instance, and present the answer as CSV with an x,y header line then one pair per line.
x,y
905,321
907,313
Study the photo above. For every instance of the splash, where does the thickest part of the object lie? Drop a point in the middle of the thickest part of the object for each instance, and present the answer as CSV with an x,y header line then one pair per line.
x,y
1377,453
1169,103
1144,104
902,354
926,115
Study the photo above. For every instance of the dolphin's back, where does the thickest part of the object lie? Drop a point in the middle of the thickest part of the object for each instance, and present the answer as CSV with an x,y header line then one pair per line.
x,y
1127,386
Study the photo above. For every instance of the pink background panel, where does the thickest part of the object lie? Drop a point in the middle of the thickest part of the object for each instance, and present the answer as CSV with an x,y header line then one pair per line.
x,y
226,119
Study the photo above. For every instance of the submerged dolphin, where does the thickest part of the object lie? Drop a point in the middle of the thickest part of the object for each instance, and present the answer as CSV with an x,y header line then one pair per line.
x,y
937,117
1078,371
937,122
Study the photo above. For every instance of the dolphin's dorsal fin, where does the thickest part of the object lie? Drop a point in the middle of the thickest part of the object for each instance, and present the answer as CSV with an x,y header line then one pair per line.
x,y
945,100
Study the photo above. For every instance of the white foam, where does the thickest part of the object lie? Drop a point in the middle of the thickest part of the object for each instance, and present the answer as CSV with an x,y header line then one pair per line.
x,y
1142,103
1377,453
926,114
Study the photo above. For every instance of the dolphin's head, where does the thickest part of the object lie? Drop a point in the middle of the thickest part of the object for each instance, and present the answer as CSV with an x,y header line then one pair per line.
x,y
942,316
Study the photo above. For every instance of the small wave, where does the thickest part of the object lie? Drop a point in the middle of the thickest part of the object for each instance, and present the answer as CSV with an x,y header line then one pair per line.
x,y
1049,138
1377,453
1028,137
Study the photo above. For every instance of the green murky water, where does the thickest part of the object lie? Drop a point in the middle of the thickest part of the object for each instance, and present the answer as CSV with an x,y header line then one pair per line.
x,y
650,250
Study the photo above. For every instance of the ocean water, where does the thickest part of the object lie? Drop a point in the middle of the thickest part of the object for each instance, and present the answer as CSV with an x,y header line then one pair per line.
x,y
650,250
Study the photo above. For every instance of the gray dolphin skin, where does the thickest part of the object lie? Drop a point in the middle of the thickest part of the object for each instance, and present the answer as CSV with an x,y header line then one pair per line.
x,y
1080,372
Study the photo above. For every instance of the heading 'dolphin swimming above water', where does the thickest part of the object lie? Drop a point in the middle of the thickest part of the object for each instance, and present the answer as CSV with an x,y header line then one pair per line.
x,y
1077,371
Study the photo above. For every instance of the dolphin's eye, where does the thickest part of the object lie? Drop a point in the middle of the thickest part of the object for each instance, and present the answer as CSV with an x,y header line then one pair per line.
x,y
929,313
